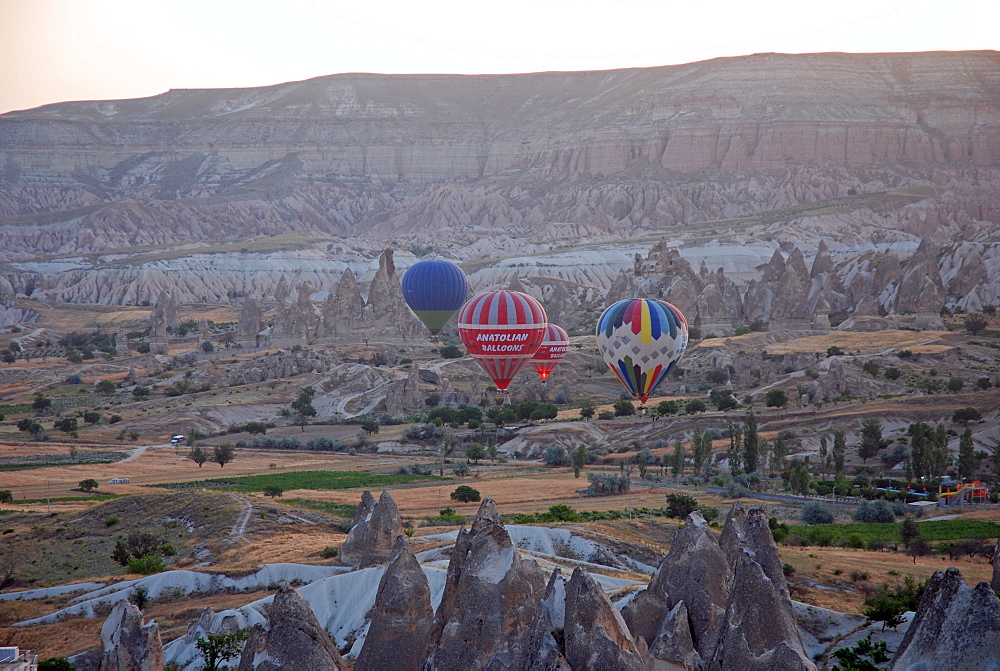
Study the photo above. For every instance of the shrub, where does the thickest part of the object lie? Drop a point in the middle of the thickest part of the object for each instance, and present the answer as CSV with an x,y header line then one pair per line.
x,y
147,565
695,405
965,415
329,552
788,570
55,664
776,398
556,456
892,373
602,484
451,352
624,408
680,505
605,415
465,494
874,512
815,512
88,484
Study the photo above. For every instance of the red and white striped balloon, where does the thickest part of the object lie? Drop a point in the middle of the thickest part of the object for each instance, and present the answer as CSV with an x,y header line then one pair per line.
x,y
552,350
502,329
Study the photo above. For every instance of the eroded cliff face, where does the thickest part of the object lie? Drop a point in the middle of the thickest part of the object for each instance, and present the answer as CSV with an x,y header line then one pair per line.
x,y
173,192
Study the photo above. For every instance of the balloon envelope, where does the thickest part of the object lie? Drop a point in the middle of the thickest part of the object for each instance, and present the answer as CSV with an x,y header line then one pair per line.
x,y
434,290
641,339
552,350
502,330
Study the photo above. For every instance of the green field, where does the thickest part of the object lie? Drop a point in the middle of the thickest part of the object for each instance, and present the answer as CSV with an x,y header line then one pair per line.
x,y
303,480
943,530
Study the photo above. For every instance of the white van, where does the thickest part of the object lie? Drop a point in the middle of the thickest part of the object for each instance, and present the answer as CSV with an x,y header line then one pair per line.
x,y
176,439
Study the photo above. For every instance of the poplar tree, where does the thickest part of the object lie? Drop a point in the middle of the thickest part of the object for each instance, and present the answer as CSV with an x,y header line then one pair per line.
x,y
751,442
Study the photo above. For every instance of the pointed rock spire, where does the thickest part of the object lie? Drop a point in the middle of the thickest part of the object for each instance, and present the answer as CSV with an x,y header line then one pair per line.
x,y
401,618
596,635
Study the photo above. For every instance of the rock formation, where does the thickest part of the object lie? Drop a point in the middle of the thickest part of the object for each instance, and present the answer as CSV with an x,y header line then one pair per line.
x,y
127,643
249,325
121,342
403,396
719,603
401,618
343,310
995,582
489,599
372,537
540,651
293,639
597,637
697,573
954,623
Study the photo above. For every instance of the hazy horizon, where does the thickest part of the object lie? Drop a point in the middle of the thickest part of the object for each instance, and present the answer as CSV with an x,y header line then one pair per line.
x,y
61,50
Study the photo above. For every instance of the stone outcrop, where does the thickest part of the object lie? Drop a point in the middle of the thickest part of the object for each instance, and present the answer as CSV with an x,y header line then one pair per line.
x,y
540,651
489,599
995,582
403,396
697,573
597,637
954,623
401,618
343,310
293,640
128,644
249,325
790,304
372,537
719,603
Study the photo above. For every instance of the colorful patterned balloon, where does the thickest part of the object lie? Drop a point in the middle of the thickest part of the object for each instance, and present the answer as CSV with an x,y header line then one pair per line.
x,y
641,339
434,290
502,330
552,350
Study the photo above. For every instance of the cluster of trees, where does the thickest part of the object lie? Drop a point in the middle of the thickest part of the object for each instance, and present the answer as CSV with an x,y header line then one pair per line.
x,y
221,454
142,552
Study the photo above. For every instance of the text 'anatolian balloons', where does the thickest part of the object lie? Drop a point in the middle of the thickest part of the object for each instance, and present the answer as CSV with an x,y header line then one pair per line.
x,y
502,330
641,339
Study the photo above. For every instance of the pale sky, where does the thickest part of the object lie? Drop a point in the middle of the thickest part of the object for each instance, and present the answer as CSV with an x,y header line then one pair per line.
x,y
58,50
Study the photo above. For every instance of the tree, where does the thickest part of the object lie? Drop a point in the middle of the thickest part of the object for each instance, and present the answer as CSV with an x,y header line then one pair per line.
x,y
918,448
975,323
815,512
965,415
680,505
723,399
555,455
695,405
66,425
624,408
800,478
871,439
452,352
197,455
55,664
778,453
465,494
137,545
433,400
677,464
839,451
751,442
106,387
909,530
140,392
92,417
6,496
41,402
885,609
217,648
30,426
475,452
273,491
643,461
668,407
955,384
824,454
369,425
967,461
88,484
255,428
735,444
303,406
587,412
776,398
222,454
580,458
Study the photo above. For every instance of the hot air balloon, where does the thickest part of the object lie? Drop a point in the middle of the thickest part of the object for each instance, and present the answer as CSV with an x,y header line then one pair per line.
x,y
434,290
553,348
641,339
502,329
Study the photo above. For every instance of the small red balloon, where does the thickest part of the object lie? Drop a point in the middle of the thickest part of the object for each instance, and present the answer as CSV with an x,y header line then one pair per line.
x,y
552,350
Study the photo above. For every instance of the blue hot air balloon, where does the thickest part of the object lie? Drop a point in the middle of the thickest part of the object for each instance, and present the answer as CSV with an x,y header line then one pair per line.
x,y
434,290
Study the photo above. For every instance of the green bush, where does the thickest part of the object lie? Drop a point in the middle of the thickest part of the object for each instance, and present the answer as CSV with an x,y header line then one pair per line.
x,y
329,552
815,512
147,565
680,505
465,494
